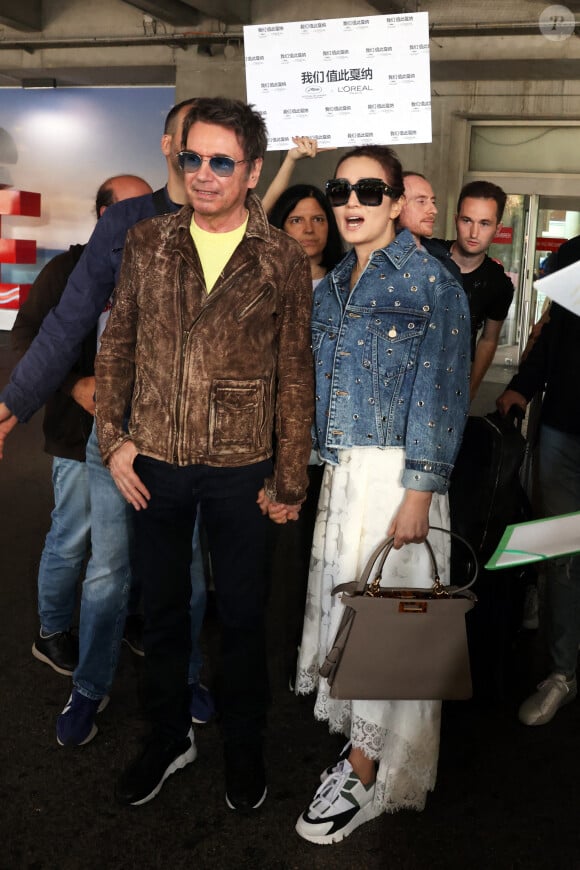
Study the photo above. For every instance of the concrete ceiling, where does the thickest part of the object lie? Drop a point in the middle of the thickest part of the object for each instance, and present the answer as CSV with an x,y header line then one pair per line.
x,y
22,14
26,15
181,13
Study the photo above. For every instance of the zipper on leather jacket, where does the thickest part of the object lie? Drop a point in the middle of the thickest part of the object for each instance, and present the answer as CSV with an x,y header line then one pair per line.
x,y
184,338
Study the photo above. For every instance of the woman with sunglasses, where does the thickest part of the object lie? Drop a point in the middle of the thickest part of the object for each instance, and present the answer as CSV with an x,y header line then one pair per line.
x,y
391,345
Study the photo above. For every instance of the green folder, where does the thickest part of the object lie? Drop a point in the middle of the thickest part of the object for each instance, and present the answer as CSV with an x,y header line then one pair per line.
x,y
536,541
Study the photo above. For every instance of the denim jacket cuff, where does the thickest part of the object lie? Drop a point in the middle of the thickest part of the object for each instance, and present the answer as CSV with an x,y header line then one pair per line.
x,y
424,481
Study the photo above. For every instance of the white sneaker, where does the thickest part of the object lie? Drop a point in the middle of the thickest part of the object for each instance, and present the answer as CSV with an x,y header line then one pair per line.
x,y
328,771
340,805
542,706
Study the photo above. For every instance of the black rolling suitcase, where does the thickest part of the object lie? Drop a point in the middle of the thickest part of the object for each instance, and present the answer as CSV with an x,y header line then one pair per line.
x,y
485,495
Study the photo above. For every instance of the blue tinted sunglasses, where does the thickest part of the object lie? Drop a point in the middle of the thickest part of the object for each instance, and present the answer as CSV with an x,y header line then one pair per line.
x,y
191,161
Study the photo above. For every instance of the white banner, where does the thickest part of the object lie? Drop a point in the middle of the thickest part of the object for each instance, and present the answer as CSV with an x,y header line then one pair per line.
x,y
344,81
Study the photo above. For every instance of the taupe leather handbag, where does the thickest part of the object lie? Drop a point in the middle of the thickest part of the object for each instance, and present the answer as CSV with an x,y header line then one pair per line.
x,y
395,643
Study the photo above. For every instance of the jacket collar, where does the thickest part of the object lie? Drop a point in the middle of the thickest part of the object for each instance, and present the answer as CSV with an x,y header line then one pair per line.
x,y
398,252
400,249
258,226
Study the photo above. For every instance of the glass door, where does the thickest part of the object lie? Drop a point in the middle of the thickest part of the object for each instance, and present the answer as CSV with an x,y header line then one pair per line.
x,y
558,220
509,249
537,164
534,227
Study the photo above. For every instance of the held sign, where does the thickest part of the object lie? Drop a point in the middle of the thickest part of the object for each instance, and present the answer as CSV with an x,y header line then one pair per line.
x,y
342,81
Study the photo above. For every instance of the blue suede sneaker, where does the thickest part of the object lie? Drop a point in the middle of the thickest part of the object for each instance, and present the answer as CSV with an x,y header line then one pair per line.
x,y
76,724
201,705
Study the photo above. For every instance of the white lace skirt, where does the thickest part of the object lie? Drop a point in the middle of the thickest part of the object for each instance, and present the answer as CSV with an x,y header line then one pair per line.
x,y
357,501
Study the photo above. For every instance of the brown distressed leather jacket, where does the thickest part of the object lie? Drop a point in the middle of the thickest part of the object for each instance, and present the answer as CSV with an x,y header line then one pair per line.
x,y
209,378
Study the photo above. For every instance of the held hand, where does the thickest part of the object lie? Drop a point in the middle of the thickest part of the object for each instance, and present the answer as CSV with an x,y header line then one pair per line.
x,y
410,524
279,513
508,399
128,483
7,423
83,393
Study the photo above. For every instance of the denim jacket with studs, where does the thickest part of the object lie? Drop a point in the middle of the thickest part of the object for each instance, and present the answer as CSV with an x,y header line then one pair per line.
x,y
392,361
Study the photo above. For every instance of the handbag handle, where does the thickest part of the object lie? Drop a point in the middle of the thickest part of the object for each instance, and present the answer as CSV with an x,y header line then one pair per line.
x,y
380,553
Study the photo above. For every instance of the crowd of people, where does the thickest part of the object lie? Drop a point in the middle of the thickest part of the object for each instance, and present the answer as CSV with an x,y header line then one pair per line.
x,y
307,360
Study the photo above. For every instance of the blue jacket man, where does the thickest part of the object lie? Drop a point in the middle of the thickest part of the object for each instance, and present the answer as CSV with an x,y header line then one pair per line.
x,y
57,347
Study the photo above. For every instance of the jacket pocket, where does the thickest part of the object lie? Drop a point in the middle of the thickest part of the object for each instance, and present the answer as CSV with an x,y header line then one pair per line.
x,y
236,416
320,332
392,342
250,304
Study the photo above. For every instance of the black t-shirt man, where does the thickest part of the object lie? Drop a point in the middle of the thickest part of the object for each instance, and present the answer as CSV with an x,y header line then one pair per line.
x,y
479,211
489,291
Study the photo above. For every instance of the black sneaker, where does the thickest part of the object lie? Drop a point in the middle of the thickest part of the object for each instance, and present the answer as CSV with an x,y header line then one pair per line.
x,y
143,779
76,724
59,650
133,633
246,787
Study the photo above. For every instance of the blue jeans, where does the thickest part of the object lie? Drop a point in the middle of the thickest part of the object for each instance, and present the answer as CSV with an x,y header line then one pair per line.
x,y
66,545
559,482
105,588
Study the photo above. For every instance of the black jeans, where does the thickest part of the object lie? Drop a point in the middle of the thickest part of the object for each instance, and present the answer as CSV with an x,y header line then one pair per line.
x,y
237,537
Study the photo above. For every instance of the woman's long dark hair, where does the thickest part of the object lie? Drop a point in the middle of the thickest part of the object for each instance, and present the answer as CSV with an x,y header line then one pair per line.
x,y
287,202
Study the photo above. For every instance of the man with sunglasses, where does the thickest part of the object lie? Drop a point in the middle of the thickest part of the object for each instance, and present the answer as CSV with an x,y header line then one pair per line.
x,y
209,342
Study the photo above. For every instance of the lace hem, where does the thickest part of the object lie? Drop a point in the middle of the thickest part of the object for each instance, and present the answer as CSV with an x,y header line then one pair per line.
x,y
406,772
307,680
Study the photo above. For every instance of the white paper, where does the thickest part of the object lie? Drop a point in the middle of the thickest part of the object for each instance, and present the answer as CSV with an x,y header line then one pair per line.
x,y
537,541
7,318
563,287
343,81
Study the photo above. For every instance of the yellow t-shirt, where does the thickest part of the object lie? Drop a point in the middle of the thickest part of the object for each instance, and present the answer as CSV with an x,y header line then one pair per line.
x,y
215,249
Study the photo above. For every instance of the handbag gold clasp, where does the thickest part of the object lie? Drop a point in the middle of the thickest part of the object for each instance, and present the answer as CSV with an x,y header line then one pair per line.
x,y
375,590
439,590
